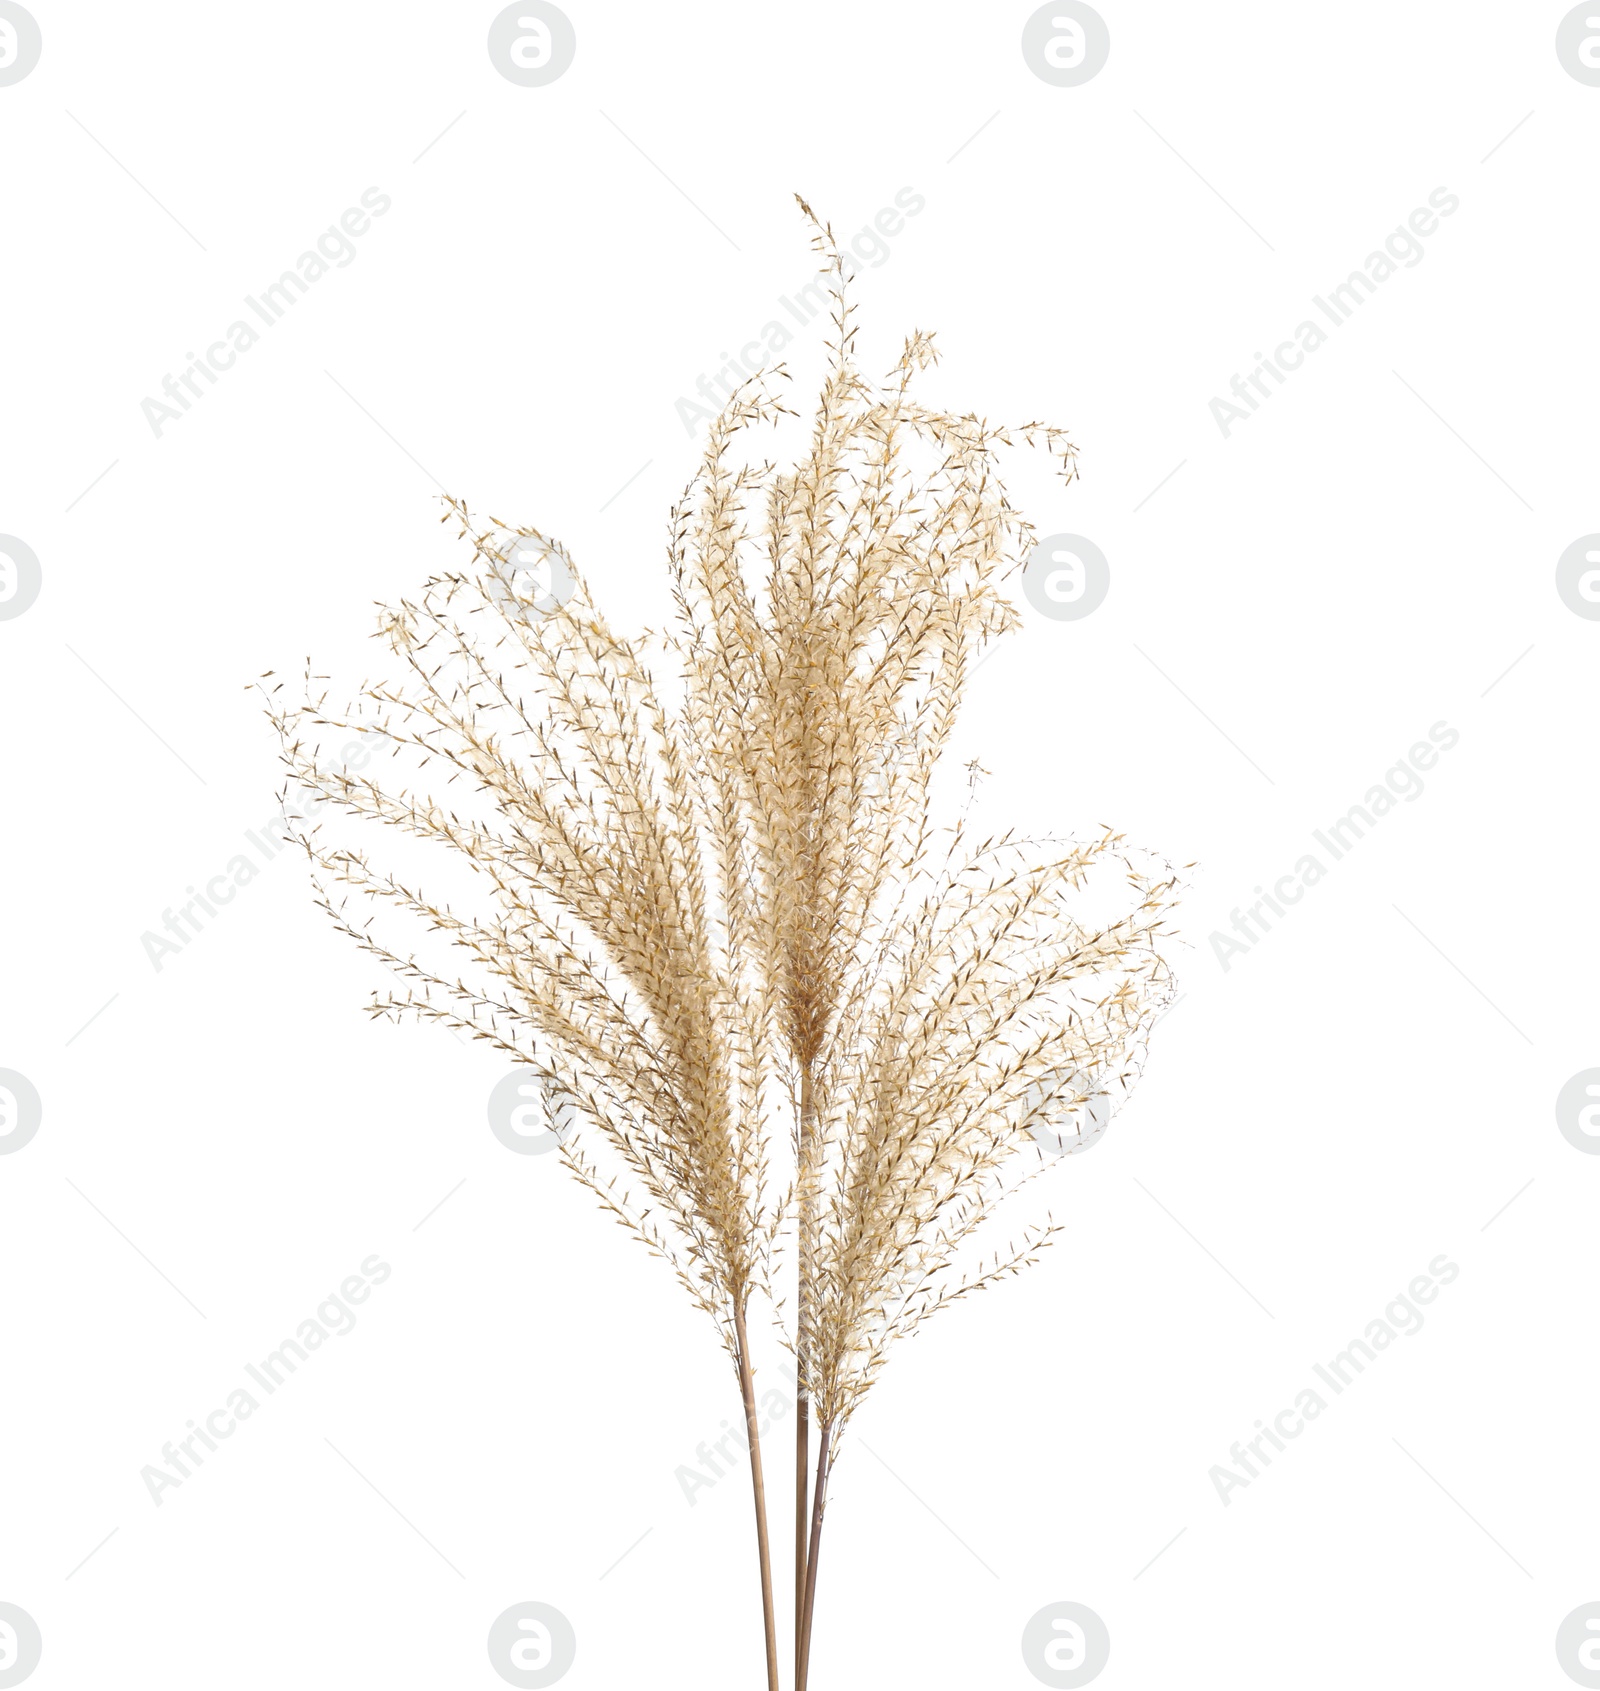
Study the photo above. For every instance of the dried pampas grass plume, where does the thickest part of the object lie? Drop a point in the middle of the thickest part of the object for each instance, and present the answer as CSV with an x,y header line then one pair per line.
x,y
813,1038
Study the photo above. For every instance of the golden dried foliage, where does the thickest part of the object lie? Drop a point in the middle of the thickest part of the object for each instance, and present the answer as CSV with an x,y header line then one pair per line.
x,y
717,911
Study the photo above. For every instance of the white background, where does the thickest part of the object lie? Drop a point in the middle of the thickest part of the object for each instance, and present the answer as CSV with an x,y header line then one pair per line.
x,y
1361,1092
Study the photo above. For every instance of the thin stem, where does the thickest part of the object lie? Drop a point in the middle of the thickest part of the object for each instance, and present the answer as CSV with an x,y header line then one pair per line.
x,y
802,1489
747,1388
802,1395
819,1503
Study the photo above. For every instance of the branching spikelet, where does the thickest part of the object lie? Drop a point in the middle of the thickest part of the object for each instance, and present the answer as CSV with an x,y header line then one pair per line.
x,y
577,835
720,915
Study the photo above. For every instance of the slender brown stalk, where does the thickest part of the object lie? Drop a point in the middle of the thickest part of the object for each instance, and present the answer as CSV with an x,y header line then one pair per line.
x,y
758,1485
802,1484
802,1394
818,1504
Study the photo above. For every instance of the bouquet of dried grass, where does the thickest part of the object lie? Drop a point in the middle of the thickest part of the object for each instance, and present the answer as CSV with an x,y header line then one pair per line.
x,y
812,1041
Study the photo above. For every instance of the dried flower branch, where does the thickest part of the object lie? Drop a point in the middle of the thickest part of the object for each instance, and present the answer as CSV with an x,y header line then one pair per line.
x,y
718,914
